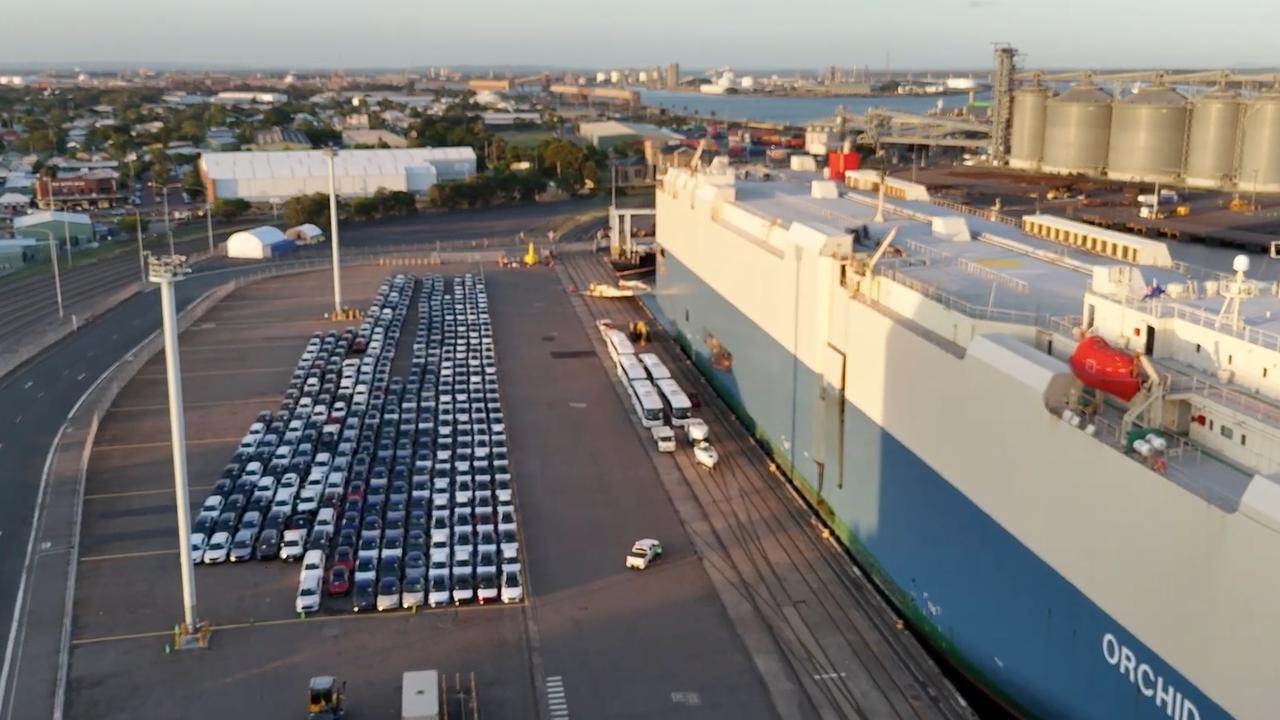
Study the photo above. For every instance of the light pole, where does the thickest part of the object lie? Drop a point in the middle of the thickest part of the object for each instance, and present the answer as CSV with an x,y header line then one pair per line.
x,y
208,218
329,154
66,226
142,257
57,277
165,271
168,226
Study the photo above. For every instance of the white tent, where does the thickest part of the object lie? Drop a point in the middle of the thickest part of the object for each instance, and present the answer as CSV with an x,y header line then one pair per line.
x,y
305,234
256,243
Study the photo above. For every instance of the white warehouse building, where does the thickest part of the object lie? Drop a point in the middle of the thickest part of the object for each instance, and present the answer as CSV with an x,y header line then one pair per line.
x,y
268,176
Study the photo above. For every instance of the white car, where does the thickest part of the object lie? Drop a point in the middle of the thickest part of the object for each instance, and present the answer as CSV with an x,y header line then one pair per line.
x,y
486,585
413,592
696,430
312,562
512,590
706,455
438,594
198,543
291,547
308,500
289,482
283,500
217,549
664,438
644,552
325,519
308,599
212,506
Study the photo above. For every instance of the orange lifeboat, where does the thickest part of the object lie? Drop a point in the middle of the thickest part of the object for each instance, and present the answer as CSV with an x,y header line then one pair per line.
x,y
1098,365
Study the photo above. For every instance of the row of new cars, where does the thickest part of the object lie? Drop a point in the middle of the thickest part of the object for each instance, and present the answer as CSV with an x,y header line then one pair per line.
x,y
382,486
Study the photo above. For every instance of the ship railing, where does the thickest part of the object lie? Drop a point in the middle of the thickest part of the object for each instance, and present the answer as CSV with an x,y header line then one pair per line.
x,y
951,302
1253,335
1180,382
991,215
1180,454
1010,282
931,254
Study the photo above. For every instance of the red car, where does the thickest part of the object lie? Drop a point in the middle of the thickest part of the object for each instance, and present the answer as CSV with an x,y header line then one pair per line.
x,y
339,581
358,346
344,558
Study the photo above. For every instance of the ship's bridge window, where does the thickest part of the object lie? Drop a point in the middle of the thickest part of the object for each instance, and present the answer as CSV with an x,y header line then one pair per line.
x,y
1243,437
1227,432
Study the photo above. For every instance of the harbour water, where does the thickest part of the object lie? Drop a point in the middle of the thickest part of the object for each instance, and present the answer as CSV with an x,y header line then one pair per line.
x,y
796,110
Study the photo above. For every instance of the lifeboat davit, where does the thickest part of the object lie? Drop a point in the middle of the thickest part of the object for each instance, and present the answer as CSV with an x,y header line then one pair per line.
x,y
1098,365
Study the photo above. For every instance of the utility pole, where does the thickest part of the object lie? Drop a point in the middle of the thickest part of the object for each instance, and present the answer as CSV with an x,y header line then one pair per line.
x,y
330,154
208,218
165,271
142,256
168,226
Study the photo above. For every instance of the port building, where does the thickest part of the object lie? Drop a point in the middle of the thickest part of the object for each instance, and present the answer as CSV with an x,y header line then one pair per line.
x,y
268,176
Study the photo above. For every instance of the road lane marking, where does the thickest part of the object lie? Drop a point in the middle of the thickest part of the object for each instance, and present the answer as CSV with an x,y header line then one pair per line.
x,y
161,376
207,403
557,705
29,384
80,376
309,619
123,556
101,496
165,443
18,419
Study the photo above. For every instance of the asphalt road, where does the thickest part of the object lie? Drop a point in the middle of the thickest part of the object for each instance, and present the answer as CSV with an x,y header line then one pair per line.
x,y
36,398
616,643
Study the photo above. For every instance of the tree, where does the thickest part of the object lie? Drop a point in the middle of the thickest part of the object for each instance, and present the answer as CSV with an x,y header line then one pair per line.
x,y
129,224
227,209
313,208
321,136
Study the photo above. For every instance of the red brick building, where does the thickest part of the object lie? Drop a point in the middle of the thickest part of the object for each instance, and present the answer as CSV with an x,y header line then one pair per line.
x,y
96,189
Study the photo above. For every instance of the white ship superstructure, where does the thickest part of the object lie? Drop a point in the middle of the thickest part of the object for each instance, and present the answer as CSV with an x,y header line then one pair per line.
x,y
1081,553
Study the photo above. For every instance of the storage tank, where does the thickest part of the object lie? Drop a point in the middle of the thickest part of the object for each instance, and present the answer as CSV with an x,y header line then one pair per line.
x,y
1077,131
1148,133
1260,148
1026,142
1211,148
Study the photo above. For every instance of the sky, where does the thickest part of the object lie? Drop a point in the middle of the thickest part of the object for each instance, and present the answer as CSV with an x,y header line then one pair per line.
x,y
745,34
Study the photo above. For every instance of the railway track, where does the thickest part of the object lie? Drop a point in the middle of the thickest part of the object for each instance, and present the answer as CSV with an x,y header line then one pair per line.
x,y
844,643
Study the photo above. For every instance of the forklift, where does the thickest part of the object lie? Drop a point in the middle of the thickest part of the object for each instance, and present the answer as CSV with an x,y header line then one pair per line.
x,y
325,698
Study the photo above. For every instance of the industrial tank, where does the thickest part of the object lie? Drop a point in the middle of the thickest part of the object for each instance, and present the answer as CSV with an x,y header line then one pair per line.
x,y
1211,148
1148,132
1260,148
1076,131
1026,142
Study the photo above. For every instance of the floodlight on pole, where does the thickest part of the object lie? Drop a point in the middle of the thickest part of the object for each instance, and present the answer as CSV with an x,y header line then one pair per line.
x,y
165,270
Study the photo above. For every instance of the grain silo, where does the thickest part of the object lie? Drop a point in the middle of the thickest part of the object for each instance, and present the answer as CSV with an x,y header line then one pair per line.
x,y
1026,143
1148,132
1260,147
1077,130
1211,148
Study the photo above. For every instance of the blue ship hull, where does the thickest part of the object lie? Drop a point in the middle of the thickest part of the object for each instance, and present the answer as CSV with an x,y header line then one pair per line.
x,y
987,602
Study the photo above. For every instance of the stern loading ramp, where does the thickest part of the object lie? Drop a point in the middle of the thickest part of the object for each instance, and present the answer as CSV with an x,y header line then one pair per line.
x,y
826,642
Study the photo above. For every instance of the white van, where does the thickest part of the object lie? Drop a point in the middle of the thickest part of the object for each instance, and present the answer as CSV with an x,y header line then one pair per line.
x,y
664,437
697,431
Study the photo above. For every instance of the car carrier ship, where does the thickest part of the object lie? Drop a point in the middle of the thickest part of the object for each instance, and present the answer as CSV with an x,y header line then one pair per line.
x,y
1052,445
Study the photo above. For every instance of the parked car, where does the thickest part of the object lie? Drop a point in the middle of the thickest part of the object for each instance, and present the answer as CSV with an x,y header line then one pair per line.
x,y
308,599
291,548
199,541
413,592
643,553
268,544
438,594
242,546
486,585
339,581
218,548
388,593
512,590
